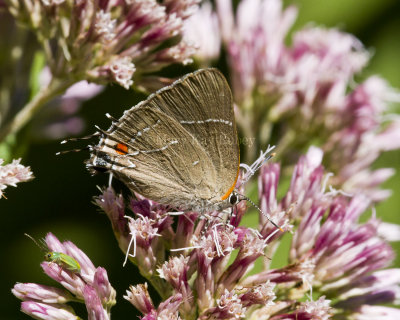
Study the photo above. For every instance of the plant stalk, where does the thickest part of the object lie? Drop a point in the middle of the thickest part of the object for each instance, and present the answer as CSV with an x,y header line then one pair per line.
x,y
55,88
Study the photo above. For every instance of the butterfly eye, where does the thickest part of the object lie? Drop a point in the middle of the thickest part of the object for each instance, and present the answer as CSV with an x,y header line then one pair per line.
x,y
233,199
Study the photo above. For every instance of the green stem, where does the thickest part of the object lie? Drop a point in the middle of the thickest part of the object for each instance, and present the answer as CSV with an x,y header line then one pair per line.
x,y
55,88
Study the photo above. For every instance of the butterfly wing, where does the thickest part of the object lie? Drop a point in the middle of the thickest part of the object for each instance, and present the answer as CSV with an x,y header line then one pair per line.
x,y
154,155
202,103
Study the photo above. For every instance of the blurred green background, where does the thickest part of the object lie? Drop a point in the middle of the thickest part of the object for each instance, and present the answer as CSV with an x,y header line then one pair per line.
x,y
59,199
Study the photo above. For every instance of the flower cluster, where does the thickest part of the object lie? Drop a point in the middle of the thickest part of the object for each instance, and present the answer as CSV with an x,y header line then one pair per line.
x,y
56,119
303,94
108,41
13,173
86,284
197,247
202,267
340,257
122,42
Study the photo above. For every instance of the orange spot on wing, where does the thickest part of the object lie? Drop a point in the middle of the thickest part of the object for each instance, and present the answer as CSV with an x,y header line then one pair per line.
x,y
121,148
227,194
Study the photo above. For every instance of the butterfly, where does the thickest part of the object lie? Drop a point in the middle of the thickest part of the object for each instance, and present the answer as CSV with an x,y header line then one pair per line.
x,y
178,147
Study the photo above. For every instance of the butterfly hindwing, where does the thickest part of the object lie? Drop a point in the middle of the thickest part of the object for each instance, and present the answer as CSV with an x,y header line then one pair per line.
x,y
202,103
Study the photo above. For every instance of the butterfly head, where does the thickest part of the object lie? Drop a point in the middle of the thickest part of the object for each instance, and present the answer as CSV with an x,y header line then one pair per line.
x,y
99,162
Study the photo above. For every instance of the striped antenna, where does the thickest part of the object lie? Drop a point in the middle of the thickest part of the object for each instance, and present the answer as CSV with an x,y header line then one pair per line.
x,y
258,208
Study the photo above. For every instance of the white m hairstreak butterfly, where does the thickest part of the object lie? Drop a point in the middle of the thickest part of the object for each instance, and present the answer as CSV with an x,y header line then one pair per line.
x,y
179,147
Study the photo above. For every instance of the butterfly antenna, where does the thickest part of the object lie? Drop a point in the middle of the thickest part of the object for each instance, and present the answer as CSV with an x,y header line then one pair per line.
x,y
72,150
264,214
96,134
41,247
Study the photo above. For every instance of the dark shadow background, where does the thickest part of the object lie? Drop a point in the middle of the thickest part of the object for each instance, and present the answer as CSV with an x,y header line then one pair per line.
x,y
59,199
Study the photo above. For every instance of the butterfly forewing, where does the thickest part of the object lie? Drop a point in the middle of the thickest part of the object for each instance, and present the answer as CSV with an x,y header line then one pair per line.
x,y
202,103
160,158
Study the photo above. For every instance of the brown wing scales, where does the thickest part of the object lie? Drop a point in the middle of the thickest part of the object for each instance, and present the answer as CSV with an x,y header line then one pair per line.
x,y
202,102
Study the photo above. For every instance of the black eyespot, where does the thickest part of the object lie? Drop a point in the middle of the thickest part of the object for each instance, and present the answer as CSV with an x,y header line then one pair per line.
x,y
233,199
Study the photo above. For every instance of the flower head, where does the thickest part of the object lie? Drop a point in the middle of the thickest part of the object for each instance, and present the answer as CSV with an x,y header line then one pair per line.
x,y
140,298
202,29
319,310
13,173
48,311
